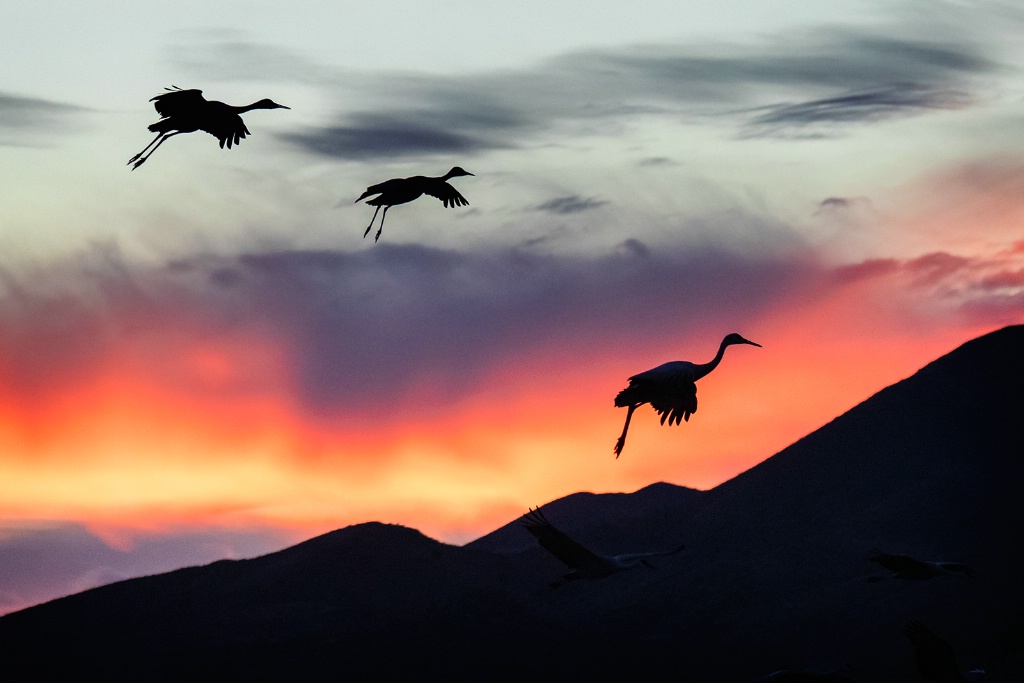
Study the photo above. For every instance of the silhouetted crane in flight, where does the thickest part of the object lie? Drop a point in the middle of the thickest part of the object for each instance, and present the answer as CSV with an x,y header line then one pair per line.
x,y
936,659
670,388
186,111
807,676
584,563
403,190
913,569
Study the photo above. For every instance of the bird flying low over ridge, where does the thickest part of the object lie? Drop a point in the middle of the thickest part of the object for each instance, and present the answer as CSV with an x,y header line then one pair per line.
x,y
186,111
670,388
402,190
913,569
584,563
836,675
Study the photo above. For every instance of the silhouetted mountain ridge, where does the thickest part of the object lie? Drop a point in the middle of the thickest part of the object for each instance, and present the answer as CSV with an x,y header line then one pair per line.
x,y
775,573
607,522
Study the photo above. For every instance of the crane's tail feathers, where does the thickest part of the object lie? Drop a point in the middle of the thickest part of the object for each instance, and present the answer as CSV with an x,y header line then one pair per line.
x,y
626,397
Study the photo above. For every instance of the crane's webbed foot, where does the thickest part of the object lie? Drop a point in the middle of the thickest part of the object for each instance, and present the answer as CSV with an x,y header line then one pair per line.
x,y
367,230
139,163
377,236
618,446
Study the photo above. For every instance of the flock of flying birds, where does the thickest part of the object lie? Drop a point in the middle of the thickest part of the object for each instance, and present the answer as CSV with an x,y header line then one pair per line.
x,y
669,388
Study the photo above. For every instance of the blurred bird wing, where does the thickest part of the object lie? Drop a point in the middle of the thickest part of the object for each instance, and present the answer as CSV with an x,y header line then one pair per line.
x,y
568,551
631,557
935,657
957,567
897,563
178,102
448,195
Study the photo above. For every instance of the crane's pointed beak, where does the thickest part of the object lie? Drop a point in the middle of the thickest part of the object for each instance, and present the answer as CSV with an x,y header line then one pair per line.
x,y
281,106
754,344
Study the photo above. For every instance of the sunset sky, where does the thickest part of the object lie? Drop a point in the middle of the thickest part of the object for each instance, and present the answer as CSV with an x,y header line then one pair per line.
x,y
203,358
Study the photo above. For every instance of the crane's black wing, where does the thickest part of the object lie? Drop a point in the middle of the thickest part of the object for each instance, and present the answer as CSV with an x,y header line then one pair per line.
x,y
223,122
676,403
178,102
379,188
901,564
935,657
568,551
448,195
795,676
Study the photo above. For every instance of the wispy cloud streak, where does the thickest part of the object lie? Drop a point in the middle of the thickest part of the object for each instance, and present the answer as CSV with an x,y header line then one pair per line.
x,y
788,83
20,116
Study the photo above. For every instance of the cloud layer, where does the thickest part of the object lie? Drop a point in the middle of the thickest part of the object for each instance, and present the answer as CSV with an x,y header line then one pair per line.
x,y
783,86
22,118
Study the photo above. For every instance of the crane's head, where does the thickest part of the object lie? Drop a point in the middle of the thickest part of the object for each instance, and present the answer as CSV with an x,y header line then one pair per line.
x,y
737,339
456,172
268,104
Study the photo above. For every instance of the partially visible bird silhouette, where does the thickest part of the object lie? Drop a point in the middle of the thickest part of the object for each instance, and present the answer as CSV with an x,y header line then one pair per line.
x,y
670,388
913,569
584,563
808,676
403,190
936,659
186,111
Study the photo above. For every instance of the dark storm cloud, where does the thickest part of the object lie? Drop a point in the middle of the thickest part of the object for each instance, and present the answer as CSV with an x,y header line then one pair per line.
x,y
790,83
570,204
27,115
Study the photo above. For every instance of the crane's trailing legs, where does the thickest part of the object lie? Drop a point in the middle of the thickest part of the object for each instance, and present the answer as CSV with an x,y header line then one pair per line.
x,y
625,428
381,228
139,159
371,224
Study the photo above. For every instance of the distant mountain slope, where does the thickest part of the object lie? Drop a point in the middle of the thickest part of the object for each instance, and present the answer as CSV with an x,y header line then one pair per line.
x,y
775,573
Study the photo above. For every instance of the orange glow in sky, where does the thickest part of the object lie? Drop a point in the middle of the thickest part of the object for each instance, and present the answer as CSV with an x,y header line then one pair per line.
x,y
189,434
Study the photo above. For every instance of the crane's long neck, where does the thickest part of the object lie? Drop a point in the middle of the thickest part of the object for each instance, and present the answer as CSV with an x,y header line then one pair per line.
x,y
705,369
248,107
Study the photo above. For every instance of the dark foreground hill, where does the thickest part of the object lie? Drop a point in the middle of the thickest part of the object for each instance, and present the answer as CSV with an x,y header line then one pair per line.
x,y
775,573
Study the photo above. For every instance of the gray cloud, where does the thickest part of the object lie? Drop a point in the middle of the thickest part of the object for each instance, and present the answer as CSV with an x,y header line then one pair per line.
x,y
876,105
787,84
657,161
28,115
386,137
570,204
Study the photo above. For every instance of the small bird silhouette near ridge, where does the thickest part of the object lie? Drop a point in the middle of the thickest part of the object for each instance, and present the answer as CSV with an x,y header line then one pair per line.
x,y
186,111
913,569
584,563
670,388
402,190
836,675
